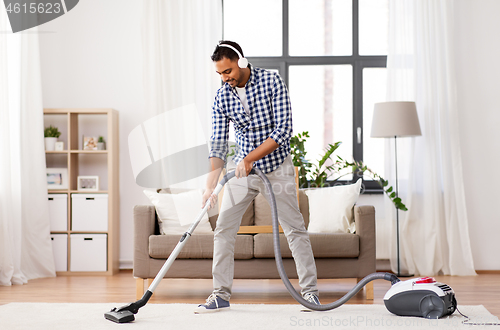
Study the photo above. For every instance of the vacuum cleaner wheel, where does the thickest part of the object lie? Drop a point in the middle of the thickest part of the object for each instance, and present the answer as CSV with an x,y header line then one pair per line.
x,y
432,307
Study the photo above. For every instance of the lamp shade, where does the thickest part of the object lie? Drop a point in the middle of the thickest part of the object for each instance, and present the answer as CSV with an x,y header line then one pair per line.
x,y
395,119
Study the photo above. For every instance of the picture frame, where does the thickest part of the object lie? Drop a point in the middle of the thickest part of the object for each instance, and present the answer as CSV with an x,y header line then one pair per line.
x,y
89,143
57,178
59,146
88,182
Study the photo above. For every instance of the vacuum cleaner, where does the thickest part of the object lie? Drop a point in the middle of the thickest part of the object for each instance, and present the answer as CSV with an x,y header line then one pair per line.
x,y
422,297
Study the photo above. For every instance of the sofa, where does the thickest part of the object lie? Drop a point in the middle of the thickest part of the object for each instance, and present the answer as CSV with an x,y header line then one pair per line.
x,y
337,255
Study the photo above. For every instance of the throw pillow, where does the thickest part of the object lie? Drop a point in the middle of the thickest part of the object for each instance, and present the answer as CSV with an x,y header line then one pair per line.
x,y
330,209
176,212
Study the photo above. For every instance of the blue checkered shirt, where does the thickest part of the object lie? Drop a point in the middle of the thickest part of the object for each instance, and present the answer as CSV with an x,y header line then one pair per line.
x,y
270,116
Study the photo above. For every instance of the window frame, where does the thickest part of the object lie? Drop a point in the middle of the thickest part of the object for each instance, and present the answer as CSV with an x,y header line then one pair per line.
x,y
358,63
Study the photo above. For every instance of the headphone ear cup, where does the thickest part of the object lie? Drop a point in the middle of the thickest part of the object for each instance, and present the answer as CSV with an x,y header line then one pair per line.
x,y
242,62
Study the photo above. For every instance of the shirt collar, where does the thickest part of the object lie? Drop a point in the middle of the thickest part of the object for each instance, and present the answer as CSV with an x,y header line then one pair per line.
x,y
251,80
253,75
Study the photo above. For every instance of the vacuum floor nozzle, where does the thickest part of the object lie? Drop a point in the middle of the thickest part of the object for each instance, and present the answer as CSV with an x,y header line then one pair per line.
x,y
119,317
126,313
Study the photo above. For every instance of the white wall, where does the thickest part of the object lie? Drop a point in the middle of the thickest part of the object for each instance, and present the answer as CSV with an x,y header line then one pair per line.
x,y
92,57
478,72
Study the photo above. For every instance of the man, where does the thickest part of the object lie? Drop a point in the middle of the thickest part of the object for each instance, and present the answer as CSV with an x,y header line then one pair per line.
x,y
257,102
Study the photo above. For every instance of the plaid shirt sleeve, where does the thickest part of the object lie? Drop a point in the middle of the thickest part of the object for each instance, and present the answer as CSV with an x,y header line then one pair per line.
x,y
282,110
220,132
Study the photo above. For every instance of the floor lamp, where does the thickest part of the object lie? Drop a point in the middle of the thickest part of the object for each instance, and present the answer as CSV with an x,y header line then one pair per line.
x,y
395,119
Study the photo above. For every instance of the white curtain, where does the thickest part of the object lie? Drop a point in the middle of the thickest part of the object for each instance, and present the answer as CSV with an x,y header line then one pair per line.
x,y
179,37
434,231
25,247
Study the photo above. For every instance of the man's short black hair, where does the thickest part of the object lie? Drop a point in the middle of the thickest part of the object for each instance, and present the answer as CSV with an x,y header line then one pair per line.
x,y
221,52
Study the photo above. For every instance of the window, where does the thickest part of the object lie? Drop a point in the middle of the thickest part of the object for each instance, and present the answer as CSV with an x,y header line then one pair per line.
x,y
332,55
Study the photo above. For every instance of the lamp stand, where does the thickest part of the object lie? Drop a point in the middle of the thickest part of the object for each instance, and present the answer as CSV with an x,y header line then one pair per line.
x,y
397,212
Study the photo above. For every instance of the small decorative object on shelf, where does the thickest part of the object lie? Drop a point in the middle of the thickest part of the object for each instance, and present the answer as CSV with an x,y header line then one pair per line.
x,y
57,178
51,134
89,143
59,146
101,143
88,183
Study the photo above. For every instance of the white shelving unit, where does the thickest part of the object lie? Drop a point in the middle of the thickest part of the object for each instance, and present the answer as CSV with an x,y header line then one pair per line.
x,y
96,252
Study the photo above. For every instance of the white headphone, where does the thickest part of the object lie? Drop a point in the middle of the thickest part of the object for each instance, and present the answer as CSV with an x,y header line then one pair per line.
x,y
242,62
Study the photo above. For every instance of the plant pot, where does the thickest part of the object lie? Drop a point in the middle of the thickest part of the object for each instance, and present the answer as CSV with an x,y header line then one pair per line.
x,y
101,145
50,143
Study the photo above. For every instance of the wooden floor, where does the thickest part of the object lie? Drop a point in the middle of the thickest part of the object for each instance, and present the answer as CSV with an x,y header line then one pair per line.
x,y
483,289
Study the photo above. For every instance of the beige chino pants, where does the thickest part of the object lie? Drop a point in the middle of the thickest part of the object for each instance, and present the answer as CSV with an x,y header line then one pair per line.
x,y
238,194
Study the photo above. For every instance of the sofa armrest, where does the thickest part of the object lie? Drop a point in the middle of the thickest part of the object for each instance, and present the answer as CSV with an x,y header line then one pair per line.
x,y
364,217
144,226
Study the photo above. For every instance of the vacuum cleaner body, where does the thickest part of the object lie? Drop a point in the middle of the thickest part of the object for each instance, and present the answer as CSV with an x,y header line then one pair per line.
x,y
423,297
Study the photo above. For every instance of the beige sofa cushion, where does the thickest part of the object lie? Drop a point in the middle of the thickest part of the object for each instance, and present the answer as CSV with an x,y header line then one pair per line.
x,y
197,247
338,245
246,220
262,209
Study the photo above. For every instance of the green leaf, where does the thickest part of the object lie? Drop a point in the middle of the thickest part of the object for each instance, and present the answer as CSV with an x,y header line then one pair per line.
x,y
329,151
51,131
401,206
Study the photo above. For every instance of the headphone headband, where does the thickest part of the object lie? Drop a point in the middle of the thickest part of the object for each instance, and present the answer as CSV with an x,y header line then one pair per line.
x,y
242,62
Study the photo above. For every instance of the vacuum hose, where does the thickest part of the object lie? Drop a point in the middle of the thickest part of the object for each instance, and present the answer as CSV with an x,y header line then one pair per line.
x,y
279,262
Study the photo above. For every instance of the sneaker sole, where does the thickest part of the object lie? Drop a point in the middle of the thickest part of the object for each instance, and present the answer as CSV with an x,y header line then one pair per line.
x,y
206,311
307,310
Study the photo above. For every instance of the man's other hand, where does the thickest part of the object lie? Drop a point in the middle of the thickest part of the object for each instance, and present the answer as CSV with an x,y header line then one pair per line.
x,y
243,168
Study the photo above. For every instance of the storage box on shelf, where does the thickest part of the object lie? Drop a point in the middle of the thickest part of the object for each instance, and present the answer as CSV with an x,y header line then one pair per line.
x,y
85,224
58,212
88,252
89,212
60,248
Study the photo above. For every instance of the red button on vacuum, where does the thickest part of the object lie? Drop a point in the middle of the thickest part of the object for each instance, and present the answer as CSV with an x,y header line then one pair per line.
x,y
425,280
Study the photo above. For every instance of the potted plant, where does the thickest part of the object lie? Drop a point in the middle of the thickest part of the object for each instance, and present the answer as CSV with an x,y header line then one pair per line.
x,y
101,143
315,175
51,134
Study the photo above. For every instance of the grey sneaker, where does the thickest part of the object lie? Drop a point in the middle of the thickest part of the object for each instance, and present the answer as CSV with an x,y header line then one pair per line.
x,y
213,304
313,299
